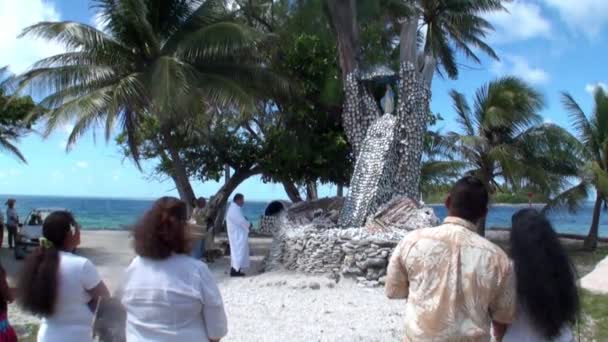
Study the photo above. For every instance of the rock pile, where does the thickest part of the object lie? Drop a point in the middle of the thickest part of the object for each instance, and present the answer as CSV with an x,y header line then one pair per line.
x,y
321,248
308,239
268,224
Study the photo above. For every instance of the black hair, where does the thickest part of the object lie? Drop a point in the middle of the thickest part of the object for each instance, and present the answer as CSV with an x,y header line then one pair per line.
x,y
38,281
546,278
238,197
469,199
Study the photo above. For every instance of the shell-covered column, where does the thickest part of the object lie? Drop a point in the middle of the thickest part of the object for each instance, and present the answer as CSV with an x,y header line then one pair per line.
x,y
359,112
371,184
410,129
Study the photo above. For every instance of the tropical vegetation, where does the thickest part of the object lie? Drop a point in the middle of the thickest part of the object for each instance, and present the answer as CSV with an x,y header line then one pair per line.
x,y
503,142
592,172
167,59
15,123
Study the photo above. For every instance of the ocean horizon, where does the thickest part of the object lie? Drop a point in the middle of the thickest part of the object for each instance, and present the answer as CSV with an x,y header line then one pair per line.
x,y
118,213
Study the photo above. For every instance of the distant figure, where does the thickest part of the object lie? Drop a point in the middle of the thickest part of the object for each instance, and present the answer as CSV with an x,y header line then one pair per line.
x,y
547,296
61,287
238,234
2,224
455,281
12,221
7,295
168,295
199,228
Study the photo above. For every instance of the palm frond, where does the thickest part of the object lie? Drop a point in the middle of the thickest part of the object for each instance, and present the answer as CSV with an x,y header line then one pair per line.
x,y
571,199
74,36
581,124
8,146
220,40
460,105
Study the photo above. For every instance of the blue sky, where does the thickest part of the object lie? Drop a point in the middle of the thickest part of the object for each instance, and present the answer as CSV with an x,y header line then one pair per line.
x,y
556,45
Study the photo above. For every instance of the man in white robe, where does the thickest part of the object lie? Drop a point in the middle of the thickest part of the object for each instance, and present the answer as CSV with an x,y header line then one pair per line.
x,y
238,234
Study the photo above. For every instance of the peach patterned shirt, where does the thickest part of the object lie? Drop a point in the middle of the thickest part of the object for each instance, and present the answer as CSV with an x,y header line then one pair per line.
x,y
455,282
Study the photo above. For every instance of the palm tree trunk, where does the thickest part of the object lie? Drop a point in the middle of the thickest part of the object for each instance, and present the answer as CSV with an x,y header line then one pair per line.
x,y
359,109
340,190
292,191
591,239
178,172
216,206
311,191
226,173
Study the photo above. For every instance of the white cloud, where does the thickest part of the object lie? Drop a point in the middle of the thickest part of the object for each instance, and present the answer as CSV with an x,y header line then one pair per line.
x,y
590,88
82,164
20,54
587,16
523,21
518,66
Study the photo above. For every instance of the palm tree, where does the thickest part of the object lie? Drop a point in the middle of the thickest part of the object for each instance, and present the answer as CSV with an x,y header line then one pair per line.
x,y
592,146
13,113
164,58
439,167
495,131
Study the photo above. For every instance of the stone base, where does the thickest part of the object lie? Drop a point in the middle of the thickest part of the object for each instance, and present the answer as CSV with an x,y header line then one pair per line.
x,y
323,248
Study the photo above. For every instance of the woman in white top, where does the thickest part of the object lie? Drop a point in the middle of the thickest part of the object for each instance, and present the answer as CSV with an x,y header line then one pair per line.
x,y
547,294
168,295
59,286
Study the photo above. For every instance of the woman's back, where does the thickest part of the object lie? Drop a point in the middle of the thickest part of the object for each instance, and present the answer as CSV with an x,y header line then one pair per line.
x,y
167,299
523,330
71,316
547,294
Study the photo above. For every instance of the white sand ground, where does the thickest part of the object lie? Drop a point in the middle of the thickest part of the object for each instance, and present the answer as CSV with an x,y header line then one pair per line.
x,y
274,306
597,280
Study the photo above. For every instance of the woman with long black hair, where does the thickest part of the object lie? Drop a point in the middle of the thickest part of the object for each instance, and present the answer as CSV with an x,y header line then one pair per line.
x,y
60,286
547,294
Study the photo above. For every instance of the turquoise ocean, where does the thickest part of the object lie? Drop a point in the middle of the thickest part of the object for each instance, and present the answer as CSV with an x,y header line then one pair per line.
x,y
117,214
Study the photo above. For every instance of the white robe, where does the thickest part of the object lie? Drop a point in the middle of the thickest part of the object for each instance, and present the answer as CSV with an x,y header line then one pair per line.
x,y
238,233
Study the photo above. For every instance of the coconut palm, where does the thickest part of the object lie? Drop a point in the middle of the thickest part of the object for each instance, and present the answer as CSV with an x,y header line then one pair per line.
x,y
592,133
503,116
162,58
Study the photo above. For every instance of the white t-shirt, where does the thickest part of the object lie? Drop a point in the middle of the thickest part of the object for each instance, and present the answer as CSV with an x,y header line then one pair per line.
x,y
523,330
72,316
175,299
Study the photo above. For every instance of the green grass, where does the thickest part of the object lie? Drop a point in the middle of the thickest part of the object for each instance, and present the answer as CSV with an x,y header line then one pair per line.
x,y
595,307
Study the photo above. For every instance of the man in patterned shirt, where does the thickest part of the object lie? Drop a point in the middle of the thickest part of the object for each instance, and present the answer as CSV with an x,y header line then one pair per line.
x,y
455,281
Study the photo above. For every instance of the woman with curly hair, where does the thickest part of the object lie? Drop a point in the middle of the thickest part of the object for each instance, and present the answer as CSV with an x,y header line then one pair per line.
x,y
168,295
547,294
59,286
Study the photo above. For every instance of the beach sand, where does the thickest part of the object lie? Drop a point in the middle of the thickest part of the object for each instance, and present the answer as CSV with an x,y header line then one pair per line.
x,y
273,306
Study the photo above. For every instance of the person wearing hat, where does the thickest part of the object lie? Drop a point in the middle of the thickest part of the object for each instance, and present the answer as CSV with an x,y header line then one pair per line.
x,y
12,221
